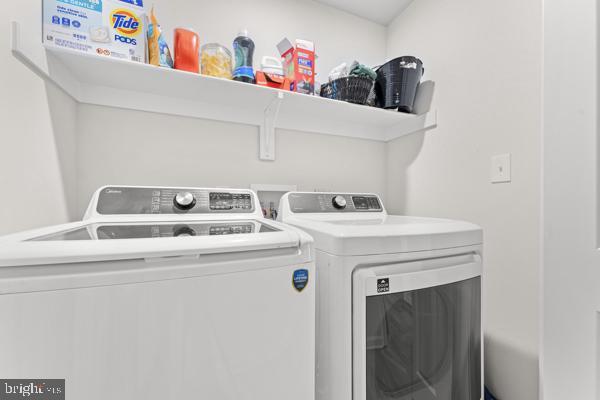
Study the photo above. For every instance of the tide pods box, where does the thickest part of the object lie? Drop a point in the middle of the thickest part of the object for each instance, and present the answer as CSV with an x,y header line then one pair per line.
x,y
112,28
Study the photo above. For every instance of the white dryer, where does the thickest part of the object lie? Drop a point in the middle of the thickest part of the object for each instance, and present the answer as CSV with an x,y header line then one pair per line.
x,y
162,293
398,300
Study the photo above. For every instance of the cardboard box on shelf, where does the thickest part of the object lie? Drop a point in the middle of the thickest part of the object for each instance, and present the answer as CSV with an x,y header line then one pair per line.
x,y
299,65
114,28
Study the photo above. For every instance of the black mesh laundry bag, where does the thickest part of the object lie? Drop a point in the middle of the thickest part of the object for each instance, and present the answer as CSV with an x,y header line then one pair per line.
x,y
397,83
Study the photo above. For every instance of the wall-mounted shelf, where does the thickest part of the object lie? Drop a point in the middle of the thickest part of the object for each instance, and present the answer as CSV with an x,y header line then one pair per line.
x,y
91,79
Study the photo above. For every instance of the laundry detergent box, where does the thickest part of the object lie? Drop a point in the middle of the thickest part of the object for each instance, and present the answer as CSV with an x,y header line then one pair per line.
x,y
298,65
113,28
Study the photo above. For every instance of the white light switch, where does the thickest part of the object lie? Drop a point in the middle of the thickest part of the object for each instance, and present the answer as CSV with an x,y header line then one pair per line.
x,y
500,172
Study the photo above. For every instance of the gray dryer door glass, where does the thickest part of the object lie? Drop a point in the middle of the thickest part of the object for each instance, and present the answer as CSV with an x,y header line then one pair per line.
x,y
425,344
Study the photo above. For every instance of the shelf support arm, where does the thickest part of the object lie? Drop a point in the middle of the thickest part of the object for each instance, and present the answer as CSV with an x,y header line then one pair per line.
x,y
30,54
267,129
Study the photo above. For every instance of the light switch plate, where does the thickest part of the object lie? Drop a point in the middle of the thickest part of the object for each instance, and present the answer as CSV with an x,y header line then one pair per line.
x,y
500,169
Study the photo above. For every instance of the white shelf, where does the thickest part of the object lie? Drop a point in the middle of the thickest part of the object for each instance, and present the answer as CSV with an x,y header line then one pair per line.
x,y
92,79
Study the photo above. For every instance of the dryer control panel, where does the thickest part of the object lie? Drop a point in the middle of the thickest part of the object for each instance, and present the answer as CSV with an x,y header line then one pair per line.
x,y
143,201
333,203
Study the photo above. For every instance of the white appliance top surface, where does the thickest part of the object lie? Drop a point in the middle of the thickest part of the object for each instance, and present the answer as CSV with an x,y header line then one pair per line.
x,y
388,225
157,230
386,235
142,223
368,231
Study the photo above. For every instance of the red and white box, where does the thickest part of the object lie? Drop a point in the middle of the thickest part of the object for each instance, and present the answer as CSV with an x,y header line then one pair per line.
x,y
298,65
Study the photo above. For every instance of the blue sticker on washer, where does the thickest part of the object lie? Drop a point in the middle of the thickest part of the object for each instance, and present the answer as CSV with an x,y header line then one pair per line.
x,y
300,279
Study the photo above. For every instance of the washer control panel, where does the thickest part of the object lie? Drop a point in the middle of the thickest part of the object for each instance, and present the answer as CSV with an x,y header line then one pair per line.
x,y
230,201
333,203
141,200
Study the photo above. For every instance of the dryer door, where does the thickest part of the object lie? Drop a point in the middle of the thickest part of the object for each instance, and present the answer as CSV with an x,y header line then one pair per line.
x,y
417,330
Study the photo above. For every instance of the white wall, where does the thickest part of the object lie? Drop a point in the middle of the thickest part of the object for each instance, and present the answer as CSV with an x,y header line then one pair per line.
x,y
153,149
571,273
37,181
486,59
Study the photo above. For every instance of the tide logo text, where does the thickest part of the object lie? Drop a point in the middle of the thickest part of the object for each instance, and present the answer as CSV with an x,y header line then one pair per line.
x,y
125,23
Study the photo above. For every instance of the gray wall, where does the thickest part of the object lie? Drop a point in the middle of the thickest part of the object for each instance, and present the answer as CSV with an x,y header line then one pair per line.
x,y
486,60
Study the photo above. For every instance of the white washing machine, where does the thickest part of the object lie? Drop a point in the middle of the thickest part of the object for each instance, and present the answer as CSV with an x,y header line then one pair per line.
x,y
398,300
162,293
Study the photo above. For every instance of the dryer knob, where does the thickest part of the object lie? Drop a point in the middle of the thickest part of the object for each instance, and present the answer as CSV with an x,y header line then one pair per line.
x,y
339,202
184,201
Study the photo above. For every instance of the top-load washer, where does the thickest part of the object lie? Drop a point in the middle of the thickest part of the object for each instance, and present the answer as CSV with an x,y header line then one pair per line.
x,y
161,293
398,300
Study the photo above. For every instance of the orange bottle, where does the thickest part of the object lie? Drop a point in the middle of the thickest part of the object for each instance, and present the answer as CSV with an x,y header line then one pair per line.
x,y
187,50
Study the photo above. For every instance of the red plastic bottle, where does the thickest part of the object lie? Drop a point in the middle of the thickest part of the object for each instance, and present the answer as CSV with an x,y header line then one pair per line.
x,y
187,50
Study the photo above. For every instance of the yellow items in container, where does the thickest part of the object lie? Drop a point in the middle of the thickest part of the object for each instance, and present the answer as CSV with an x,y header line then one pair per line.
x,y
216,61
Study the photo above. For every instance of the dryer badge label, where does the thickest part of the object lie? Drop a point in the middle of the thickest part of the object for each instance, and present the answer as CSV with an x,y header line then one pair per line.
x,y
300,279
383,285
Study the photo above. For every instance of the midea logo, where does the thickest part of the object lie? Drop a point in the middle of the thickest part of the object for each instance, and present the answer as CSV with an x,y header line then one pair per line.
x,y
113,191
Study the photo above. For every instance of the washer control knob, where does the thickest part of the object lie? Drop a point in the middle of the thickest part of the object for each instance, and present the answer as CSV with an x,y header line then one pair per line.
x,y
339,202
184,201
183,230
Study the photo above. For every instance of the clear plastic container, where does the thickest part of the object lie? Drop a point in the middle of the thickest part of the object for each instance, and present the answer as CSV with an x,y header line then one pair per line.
x,y
216,61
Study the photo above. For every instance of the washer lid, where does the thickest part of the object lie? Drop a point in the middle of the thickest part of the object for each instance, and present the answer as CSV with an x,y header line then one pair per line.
x,y
385,234
107,241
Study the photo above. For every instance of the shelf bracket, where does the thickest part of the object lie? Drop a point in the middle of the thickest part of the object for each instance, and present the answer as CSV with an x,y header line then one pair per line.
x,y
267,128
30,54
